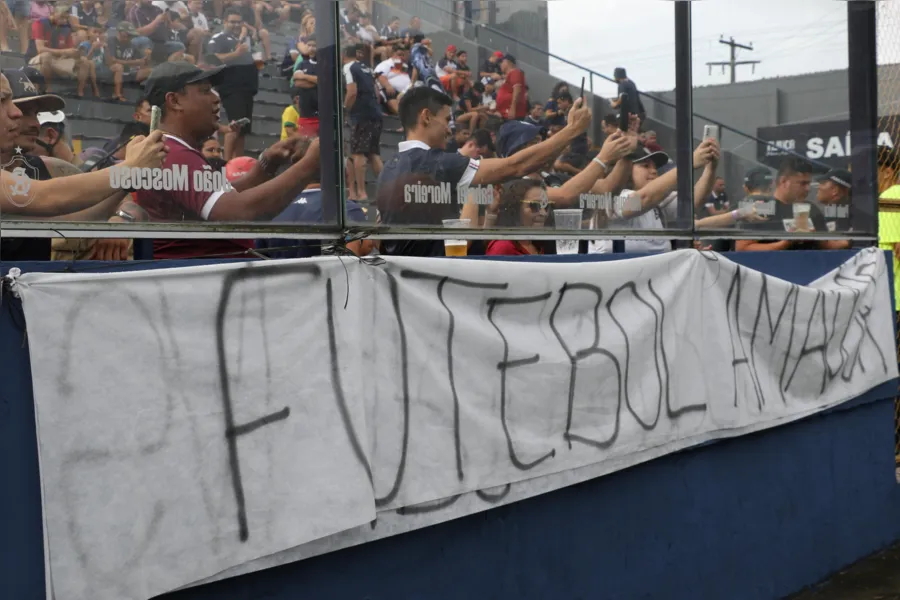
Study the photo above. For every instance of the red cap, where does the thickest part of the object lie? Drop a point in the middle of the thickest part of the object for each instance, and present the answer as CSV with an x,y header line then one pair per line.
x,y
451,48
238,167
498,54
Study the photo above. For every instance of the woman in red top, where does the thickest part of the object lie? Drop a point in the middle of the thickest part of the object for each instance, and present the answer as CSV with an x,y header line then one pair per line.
x,y
523,203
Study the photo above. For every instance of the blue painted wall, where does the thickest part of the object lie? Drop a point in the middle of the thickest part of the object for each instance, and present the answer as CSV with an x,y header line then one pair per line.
x,y
753,518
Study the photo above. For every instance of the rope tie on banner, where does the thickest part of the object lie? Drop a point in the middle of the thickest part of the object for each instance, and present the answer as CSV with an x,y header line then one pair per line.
x,y
11,282
340,250
12,285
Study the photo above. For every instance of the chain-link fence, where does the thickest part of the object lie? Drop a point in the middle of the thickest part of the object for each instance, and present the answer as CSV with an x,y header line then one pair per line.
x,y
888,16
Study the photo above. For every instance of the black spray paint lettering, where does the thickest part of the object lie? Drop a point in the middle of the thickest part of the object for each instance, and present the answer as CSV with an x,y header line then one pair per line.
x,y
651,302
505,365
404,366
75,462
660,358
232,429
577,355
442,283
817,336
788,310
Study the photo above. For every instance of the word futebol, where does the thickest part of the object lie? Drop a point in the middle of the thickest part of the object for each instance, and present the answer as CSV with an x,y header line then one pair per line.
x,y
418,193
169,179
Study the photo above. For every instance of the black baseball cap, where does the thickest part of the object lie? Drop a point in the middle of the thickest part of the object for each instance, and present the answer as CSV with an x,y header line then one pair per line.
x,y
26,92
642,154
510,58
758,178
173,76
841,177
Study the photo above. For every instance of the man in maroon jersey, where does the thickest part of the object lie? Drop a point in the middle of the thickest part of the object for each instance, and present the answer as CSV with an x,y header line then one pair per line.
x,y
187,188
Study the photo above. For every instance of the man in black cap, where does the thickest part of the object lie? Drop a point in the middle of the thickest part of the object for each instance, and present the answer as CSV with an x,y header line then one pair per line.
x,y
44,155
30,102
628,99
26,99
23,193
834,196
190,114
758,183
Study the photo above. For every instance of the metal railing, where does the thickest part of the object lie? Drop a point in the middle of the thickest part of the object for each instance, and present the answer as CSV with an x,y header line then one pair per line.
x,y
609,79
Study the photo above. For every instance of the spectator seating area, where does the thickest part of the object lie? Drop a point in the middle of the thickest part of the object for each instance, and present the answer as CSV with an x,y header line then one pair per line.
x,y
91,121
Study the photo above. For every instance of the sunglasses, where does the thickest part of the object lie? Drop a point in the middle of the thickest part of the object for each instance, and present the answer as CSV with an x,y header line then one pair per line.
x,y
537,206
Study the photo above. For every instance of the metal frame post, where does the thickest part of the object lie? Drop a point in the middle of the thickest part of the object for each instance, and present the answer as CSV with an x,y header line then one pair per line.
x,y
862,81
331,118
684,121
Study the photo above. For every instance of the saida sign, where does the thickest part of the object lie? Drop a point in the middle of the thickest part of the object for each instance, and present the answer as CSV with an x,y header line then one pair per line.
x,y
825,142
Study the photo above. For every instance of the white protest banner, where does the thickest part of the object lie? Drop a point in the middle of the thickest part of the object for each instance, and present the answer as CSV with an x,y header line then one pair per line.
x,y
200,423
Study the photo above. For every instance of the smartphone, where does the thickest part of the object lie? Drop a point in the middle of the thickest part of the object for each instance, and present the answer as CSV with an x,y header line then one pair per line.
x,y
582,91
155,113
711,132
623,114
242,122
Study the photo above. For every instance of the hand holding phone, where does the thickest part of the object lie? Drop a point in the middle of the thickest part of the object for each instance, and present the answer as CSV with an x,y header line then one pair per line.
x,y
241,123
155,113
624,117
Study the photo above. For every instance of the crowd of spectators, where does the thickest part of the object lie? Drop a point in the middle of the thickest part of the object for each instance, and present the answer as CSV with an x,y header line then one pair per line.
x,y
478,144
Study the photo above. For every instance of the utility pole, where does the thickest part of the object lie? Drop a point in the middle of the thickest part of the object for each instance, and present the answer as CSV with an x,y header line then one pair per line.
x,y
734,62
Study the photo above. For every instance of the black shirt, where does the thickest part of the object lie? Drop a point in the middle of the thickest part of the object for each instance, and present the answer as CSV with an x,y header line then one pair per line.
x,y
388,34
248,15
87,18
365,108
473,98
837,217
719,202
410,32
632,104
241,74
121,51
781,218
351,28
28,248
418,186
490,67
309,98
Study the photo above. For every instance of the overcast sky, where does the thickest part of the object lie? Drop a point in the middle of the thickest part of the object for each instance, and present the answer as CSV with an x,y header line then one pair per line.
x,y
790,37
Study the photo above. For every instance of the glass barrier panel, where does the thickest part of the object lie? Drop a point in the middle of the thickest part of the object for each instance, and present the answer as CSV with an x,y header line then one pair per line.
x,y
774,98
84,78
460,115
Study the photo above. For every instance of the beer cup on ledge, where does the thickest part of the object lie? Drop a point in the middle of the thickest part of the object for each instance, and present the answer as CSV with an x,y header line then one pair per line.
x,y
567,219
456,247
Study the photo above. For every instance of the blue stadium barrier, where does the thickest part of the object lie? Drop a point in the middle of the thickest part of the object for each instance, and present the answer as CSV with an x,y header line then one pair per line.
x,y
754,518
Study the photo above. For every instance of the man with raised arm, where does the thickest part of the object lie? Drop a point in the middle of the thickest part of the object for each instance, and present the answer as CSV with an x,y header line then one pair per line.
x,y
190,115
23,196
418,186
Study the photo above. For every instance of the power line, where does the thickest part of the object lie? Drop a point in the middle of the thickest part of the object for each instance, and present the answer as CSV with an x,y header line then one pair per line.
x,y
734,63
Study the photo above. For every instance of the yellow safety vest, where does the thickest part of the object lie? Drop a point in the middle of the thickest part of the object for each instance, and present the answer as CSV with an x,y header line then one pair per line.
x,y
889,230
